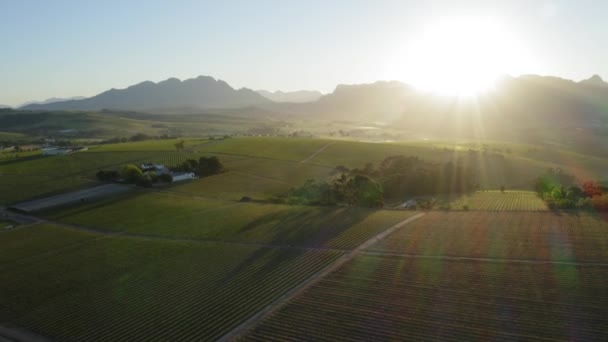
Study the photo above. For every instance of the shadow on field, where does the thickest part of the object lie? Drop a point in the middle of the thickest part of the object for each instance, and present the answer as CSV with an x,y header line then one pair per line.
x,y
310,227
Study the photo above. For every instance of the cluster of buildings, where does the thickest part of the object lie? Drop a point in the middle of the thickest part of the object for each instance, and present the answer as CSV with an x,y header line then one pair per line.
x,y
161,169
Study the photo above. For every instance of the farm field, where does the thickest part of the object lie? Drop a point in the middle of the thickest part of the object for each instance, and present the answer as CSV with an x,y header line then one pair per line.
x,y
294,149
233,185
177,216
20,246
394,298
257,178
499,201
47,175
502,235
123,288
163,145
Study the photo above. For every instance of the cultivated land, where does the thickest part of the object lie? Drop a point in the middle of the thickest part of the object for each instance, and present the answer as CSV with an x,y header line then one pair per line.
x,y
499,201
175,216
461,276
189,261
123,288
385,298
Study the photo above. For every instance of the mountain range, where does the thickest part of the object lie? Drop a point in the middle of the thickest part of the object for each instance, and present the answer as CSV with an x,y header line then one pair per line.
x,y
291,96
526,100
202,92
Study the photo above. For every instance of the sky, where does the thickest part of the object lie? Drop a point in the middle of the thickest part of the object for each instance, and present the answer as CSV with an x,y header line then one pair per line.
x,y
65,48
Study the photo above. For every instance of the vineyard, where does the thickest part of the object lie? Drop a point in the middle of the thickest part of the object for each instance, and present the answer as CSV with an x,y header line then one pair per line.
x,y
500,201
125,289
379,298
35,242
524,236
169,215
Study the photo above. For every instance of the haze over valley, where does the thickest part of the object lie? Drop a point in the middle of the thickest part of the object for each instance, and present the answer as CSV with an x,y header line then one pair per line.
x,y
304,170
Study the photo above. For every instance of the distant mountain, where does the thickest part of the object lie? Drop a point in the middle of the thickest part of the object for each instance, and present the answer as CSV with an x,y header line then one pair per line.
x,y
202,92
291,96
595,80
4,106
52,100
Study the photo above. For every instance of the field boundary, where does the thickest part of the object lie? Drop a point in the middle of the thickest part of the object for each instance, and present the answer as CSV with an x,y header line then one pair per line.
x,y
313,279
497,260
316,153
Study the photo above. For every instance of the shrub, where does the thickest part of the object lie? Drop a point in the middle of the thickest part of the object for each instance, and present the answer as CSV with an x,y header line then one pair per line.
x,y
131,173
165,178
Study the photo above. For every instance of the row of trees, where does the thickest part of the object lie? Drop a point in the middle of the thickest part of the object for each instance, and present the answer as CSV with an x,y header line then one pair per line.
x,y
559,190
203,167
397,177
132,174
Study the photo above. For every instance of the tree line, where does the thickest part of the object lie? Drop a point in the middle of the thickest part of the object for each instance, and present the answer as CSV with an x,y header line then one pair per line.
x,y
559,190
396,177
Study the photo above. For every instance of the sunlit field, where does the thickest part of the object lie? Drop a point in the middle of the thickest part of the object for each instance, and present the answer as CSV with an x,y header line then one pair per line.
x,y
402,298
499,201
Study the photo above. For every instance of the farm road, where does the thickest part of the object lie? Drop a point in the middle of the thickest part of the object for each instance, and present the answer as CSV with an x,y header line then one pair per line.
x,y
284,299
316,153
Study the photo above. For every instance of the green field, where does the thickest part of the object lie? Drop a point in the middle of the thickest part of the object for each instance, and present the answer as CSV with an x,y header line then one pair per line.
x,y
177,216
125,289
499,201
391,298
46,175
295,149
25,244
164,145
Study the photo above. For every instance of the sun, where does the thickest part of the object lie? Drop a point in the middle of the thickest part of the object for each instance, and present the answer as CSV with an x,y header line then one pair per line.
x,y
460,56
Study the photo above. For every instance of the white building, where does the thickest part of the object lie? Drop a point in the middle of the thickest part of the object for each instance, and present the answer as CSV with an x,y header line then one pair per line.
x,y
56,151
182,176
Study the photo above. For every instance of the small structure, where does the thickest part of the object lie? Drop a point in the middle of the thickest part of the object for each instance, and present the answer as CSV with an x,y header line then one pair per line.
x,y
409,204
151,167
56,151
182,176
60,151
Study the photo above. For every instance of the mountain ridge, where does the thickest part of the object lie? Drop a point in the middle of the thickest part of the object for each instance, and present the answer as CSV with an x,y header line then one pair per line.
x,y
202,92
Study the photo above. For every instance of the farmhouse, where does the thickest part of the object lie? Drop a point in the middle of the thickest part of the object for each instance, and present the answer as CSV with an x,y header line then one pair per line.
x,y
182,176
152,167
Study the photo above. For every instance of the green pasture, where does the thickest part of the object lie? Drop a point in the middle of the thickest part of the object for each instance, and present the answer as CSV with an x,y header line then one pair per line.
x,y
182,216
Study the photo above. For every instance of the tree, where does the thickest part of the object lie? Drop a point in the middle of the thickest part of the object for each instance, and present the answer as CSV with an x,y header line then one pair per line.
x,y
592,189
131,173
208,166
364,191
165,178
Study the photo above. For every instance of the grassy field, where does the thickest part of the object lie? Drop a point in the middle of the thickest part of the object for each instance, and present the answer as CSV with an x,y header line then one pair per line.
x,y
176,216
23,245
499,201
233,185
125,289
24,179
391,298
164,145
522,236
259,179
295,149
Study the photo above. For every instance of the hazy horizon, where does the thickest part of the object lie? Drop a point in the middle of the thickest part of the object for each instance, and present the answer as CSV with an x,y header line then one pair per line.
x,y
274,46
